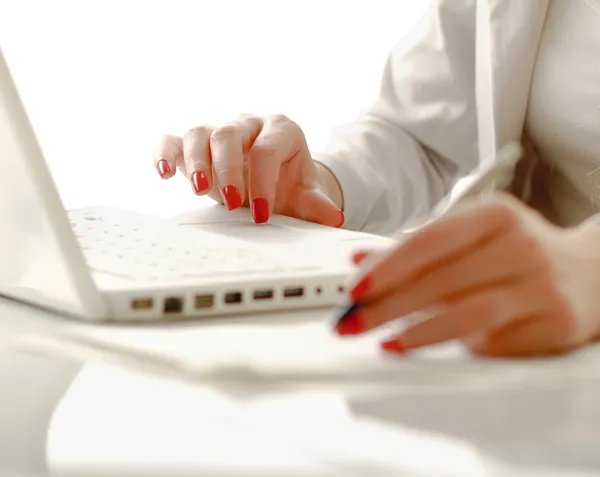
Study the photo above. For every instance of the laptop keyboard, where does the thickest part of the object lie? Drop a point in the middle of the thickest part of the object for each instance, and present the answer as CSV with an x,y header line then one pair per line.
x,y
152,250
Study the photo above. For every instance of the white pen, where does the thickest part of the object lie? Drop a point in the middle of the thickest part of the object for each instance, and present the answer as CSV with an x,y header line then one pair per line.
x,y
496,176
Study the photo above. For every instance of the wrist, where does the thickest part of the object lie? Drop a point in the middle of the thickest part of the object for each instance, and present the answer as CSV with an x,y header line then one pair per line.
x,y
587,236
332,187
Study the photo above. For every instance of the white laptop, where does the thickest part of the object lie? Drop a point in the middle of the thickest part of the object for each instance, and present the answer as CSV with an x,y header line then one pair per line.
x,y
112,265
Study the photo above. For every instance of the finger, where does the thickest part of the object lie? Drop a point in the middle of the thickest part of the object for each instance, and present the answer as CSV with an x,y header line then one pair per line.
x,y
168,151
228,145
457,234
503,259
279,140
536,336
359,257
480,313
197,158
315,206
370,256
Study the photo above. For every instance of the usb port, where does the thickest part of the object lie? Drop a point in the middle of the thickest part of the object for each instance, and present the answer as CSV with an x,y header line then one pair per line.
x,y
203,301
233,297
293,292
263,294
142,303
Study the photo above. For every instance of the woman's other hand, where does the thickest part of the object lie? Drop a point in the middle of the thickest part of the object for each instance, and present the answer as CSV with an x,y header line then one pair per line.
x,y
259,162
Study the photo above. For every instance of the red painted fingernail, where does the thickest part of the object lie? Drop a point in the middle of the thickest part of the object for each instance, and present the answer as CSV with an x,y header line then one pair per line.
x,y
233,198
360,289
260,210
357,258
163,167
393,346
199,182
342,219
351,325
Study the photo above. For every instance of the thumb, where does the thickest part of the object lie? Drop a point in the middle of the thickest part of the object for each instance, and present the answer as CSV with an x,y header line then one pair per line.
x,y
315,206
530,337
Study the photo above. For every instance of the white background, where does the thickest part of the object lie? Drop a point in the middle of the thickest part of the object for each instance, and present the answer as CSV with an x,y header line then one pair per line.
x,y
103,79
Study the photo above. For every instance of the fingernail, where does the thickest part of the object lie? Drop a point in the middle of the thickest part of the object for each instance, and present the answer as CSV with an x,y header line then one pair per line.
x,y
351,324
393,346
342,219
233,198
360,289
357,258
163,167
260,210
199,182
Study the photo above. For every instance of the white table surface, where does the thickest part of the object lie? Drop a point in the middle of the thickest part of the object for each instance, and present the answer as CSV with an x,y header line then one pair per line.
x,y
448,417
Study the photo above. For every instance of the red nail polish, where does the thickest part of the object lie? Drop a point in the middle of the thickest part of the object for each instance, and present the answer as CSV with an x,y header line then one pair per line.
x,y
199,182
342,219
393,346
360,289
357,258
260,210
233,198
163,167
351,325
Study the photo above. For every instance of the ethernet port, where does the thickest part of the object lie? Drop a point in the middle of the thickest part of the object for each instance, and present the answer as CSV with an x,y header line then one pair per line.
x,y
173,305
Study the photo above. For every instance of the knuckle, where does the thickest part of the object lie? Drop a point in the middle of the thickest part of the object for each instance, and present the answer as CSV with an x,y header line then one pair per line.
x,y
166,145
197,133
529,248
228,170
500,212
264,148
524,251
427,239
503,212
229,132
247,116
280,119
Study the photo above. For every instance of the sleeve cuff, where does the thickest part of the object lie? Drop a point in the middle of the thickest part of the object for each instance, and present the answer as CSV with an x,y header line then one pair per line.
x,y
354,189
594,220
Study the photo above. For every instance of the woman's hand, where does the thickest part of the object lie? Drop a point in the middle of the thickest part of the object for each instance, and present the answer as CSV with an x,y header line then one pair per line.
x,y
259,162
501,279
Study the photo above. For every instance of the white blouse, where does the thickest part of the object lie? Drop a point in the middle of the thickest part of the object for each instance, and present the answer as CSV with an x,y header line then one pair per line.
x,y
563,117
407,151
